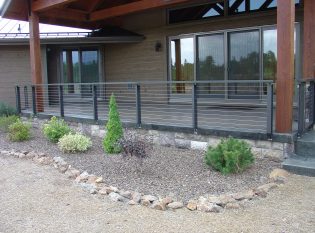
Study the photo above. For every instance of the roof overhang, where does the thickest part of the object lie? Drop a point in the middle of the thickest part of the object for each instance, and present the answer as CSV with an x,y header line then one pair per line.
x,y
92,14
79,40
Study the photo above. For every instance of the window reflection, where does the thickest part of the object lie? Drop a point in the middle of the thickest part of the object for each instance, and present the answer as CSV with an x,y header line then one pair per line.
x,y
182,63
211,64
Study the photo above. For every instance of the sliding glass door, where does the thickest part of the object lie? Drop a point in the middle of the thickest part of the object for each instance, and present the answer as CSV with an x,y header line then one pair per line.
x,y
182,64
232,64
211,65
244,64
80,66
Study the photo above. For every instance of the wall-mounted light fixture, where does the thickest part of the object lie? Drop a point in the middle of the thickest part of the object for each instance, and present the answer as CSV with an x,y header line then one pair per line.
x,y
158,46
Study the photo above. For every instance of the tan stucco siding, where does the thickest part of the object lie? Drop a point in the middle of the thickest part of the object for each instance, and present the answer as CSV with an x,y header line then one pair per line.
x,y
14,70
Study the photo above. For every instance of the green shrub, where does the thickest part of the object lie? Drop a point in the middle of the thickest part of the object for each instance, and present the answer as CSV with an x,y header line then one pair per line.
x,y
6,121
56,129
72,143
114,129
230,156
6,110
19,131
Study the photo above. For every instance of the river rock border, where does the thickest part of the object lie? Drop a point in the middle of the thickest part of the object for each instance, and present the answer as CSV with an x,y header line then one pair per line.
x,y
95,185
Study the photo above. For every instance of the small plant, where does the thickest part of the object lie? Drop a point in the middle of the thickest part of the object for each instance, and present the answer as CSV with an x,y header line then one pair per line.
x,y
56,129
6,110
133,146
230,156
19,131
6,121
114,129
72,143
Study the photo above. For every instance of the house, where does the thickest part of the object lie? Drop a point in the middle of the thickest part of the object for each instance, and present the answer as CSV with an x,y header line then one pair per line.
x,y
223,67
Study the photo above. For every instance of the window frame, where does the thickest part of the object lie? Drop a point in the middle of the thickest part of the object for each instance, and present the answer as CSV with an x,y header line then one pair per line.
x,y
81,49
226,33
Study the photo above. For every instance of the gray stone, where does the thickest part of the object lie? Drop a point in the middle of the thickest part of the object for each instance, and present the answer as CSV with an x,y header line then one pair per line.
x,y
82,177
175,205
232,206
244,195
167,139
277,146
263,144
126,194
182,143
150,198
116,197
209,207
136,197
157,205
88,187
273,155
257,152
72,173
196,145
166,200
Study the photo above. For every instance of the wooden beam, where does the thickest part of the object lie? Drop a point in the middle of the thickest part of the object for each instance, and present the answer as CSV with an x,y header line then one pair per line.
x,y
35,59
43,5
65,13
309,40
285,65
92,5
133,8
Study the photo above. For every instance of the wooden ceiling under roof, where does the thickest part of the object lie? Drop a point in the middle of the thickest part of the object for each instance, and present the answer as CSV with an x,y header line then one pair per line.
x,y
91,14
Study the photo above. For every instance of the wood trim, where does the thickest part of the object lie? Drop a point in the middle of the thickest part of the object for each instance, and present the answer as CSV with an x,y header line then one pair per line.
x,y
35,59
62,13
309,40
285,65
43,5
133,8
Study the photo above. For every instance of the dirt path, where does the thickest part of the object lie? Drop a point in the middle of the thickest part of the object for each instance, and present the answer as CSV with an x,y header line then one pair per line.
x,y
39,199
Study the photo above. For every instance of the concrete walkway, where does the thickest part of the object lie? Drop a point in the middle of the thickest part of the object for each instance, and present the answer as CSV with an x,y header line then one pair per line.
x,y
36,198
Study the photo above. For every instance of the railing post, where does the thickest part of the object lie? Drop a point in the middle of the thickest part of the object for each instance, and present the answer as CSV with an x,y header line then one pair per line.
x,y
301,117
61,102
194,108
269,110
138,104
26,97
313,101
18,99
34,100
95,107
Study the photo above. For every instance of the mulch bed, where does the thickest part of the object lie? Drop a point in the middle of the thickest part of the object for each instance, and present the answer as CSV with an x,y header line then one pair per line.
x,y
167,171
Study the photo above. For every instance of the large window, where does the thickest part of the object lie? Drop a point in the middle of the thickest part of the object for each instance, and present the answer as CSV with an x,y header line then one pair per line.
x,y
229,58
80,66
182,63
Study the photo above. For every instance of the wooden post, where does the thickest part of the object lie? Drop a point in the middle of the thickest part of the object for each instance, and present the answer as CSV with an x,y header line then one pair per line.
x,y
309,38
178,65
35,59
285,65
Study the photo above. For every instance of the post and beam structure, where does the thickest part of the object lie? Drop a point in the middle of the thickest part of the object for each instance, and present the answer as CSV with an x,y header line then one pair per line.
x,y
35,59
309,40
285,65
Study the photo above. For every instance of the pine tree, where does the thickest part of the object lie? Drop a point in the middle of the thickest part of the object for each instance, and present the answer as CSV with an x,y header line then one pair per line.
x,y
114,129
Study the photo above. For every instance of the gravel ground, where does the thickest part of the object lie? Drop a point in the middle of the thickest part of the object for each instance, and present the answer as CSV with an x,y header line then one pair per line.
x,y
167,171
39,199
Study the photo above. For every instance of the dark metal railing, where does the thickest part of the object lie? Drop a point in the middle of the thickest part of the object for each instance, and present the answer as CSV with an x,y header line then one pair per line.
x,y
224,105
306,109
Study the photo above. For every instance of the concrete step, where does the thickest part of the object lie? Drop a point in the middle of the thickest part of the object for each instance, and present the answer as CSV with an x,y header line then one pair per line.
x,y
305,146
300,165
